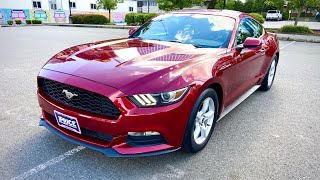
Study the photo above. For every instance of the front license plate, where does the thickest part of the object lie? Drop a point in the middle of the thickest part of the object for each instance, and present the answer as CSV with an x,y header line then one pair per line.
x,y
67,122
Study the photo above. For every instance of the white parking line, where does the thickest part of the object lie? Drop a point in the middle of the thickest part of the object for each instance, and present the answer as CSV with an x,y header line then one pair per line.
x,y
51,162
287,45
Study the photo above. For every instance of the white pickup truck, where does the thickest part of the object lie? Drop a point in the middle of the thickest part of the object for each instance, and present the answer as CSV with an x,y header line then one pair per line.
x,y
274,15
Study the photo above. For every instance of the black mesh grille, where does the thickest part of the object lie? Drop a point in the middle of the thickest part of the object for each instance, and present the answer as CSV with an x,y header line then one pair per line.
x,y
85,100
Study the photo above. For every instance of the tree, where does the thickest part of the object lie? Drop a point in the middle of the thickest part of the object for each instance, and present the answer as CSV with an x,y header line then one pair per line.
x,y
212,4
230,4
107,4
301,5
219,4
248,6
238,6
275,4
169,5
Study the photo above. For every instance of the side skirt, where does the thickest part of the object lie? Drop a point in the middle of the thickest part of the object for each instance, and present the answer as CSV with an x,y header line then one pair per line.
x,y
238,101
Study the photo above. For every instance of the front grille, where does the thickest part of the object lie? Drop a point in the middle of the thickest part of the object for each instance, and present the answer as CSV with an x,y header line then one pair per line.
x,y
85,100
100,138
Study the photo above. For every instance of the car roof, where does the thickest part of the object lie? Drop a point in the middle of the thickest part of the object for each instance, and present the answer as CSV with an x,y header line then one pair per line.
x,y
223,12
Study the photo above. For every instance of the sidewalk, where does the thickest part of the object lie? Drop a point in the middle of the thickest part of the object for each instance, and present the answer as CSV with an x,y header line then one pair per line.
x,y
92,26
278,24
299,38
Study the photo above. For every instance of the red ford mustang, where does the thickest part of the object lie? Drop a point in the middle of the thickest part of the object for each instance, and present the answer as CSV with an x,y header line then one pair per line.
x,y
161,89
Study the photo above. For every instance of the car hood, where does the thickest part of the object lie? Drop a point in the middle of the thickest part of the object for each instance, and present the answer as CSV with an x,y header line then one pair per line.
x,y
129,64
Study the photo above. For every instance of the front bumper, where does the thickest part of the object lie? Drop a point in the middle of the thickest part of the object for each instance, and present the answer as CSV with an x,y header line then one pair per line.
x,y
110,152
170,121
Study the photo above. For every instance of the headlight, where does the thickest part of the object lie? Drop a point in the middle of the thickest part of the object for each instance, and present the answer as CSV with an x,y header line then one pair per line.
x,y
161,99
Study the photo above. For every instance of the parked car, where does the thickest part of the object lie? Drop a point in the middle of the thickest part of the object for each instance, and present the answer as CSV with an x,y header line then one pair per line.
x,y
161,89
274,15
18,15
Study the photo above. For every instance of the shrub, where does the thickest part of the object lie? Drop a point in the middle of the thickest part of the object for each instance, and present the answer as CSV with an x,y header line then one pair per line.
x,y
77,19
295,29
285,15
18,21
10,22
89,19
36,21
28,21
130,18
149,16
258,17
140,18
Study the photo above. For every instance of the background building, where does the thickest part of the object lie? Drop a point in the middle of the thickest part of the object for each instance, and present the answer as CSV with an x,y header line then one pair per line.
x,y
146,6
57,11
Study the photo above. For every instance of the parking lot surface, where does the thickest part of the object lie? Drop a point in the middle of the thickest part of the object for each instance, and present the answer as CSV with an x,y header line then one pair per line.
x,y
271,135
278,24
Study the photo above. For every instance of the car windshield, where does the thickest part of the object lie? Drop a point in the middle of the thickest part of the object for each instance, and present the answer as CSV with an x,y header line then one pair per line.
x,y
202,31
272,12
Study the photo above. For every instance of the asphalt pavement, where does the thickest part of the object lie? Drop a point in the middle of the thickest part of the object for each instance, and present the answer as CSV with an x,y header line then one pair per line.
x,y
271,135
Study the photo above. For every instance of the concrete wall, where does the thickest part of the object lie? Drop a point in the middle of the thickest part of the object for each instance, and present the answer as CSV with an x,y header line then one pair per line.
x,y
81,5
9,9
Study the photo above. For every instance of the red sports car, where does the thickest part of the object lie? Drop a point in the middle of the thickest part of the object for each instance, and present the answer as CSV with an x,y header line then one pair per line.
x,y
161,89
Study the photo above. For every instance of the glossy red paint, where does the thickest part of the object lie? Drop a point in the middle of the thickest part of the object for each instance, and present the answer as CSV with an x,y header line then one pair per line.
x,y
122,67
252,42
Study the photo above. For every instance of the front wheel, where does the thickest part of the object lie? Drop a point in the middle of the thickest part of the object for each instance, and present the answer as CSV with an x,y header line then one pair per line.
x,y
201,121
269,78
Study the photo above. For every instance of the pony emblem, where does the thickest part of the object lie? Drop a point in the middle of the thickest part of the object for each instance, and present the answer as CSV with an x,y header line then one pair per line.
x,y
68,94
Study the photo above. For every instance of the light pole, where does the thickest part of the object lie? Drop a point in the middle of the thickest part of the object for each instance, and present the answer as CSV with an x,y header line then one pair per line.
x,y
148,6
70,15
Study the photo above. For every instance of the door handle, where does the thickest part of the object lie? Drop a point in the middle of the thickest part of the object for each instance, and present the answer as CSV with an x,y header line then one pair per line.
x,y
263,51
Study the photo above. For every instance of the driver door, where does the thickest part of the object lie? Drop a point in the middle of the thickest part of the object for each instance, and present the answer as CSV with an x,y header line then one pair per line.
x,y
248,61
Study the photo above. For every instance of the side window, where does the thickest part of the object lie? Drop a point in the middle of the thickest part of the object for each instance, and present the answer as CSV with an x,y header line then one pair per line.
x,y
245,30
248,28
258,29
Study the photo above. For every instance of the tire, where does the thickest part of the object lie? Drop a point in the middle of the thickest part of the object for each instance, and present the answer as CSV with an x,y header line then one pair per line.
x,y
269,78
200,124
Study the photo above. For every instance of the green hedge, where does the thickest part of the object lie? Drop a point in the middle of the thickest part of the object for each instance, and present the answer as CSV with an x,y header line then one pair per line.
x,y
150,16
10,22
140,18
136,19
295,29
36,21
89,19
258,17
18,21
130,18
28,21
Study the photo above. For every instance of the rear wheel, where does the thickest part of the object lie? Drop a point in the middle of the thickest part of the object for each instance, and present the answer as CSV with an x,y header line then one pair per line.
x,y
269,78
201,121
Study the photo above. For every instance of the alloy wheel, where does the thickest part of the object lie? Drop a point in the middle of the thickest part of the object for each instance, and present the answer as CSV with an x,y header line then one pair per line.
x,y
204,121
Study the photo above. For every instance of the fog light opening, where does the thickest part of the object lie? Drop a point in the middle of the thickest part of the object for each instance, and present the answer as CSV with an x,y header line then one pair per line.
x,y
146,133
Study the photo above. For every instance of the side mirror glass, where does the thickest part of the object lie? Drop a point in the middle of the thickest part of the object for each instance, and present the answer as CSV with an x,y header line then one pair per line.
x,y
131,31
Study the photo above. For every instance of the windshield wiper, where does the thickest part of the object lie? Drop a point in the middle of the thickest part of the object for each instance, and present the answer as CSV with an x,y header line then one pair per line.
x,y
198,46
176,41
